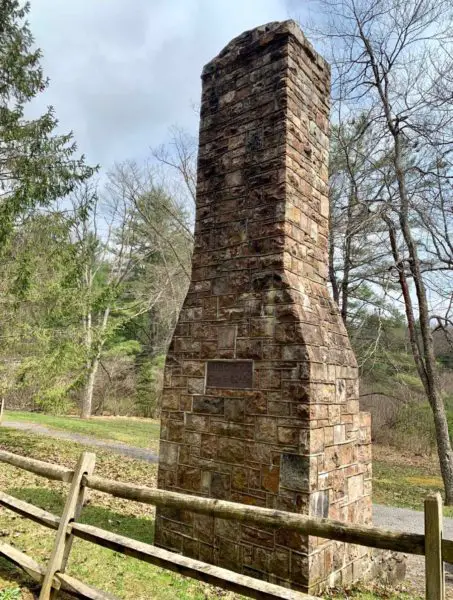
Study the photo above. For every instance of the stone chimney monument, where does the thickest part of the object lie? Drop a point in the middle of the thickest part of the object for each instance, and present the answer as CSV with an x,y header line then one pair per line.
x,y
260,402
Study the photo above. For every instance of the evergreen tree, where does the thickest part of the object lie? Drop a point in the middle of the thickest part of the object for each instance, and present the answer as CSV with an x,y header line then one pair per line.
x,y
37,166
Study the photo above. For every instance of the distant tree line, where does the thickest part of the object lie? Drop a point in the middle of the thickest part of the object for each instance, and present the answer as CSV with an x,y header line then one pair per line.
x,y
91,288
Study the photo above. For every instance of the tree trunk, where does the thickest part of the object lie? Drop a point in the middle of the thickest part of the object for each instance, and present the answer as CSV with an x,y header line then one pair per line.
x,y
430,377
92,368
87,401
424,359
444,450
347,257
332,274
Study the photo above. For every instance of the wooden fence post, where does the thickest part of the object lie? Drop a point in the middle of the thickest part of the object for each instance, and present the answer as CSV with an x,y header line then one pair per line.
x,y
434,566
71,511
2,406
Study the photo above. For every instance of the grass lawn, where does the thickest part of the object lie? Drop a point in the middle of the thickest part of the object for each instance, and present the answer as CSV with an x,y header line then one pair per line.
x,y
113,572
135,432
405,480
398,481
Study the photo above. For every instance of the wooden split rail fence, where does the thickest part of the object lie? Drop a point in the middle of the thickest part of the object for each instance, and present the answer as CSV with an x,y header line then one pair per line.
x,y
53,578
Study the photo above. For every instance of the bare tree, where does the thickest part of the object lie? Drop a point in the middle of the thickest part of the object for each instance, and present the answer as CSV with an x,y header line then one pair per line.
x,y
358,255
390,59
104,244
163,236
179,157
134,242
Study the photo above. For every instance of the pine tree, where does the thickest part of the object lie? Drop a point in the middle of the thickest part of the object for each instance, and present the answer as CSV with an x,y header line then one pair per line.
x,y
37,166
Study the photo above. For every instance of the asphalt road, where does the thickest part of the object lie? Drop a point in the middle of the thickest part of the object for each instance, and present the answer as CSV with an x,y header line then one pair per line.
x,y
86,440
405,519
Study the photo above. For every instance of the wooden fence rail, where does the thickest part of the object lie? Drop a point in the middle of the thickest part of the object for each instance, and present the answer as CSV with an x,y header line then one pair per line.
x,y
52,578
365,535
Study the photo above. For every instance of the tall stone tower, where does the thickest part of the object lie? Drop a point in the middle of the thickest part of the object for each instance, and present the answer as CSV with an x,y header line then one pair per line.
x,y
260,403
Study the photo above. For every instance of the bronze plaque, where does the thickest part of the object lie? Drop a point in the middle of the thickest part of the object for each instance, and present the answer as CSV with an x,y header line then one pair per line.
x,y
232,374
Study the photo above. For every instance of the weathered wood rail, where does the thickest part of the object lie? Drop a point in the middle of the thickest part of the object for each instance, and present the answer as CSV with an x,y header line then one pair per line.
x,y
52,578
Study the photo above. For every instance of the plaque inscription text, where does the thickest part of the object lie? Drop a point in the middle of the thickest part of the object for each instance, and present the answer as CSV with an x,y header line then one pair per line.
x,y
235,374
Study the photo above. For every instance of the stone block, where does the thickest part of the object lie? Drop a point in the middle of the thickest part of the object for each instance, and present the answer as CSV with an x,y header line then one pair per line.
x,y
265,429
189,478
234,409
205,486
195,385
288,436
317,440
291,540
258,537
170,399
339,434
316,566
226,529
355,487
296,392
175,431
209,405
256,404
231,450
208,446
319,504
168,454
196,422
193,368
262,327
249,348
226,554
226,337
299,569
270,478
185,403
268,379
220,485
294,472
258,453
278,409
183,456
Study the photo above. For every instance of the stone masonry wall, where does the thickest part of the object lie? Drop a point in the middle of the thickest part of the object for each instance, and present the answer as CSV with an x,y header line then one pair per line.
x,y
260,401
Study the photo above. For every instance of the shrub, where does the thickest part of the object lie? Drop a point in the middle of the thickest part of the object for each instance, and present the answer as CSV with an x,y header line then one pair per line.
x,y
149,386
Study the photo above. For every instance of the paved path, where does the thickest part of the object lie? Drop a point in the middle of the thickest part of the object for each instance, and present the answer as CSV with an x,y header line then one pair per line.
x,y
412,521
405,519
86,440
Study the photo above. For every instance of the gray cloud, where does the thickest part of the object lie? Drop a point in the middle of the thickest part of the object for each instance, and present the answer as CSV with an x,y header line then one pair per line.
x,y
123,72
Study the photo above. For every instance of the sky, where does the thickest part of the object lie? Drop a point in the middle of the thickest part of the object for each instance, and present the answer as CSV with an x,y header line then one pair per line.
x,y
123,72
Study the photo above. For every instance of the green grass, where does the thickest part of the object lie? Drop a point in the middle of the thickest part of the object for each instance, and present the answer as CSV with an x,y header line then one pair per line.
x,y
403,486
135,432
12,593
399,483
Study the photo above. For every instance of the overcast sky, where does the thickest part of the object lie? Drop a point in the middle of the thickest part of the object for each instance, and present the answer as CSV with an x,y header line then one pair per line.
x,y
123,71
